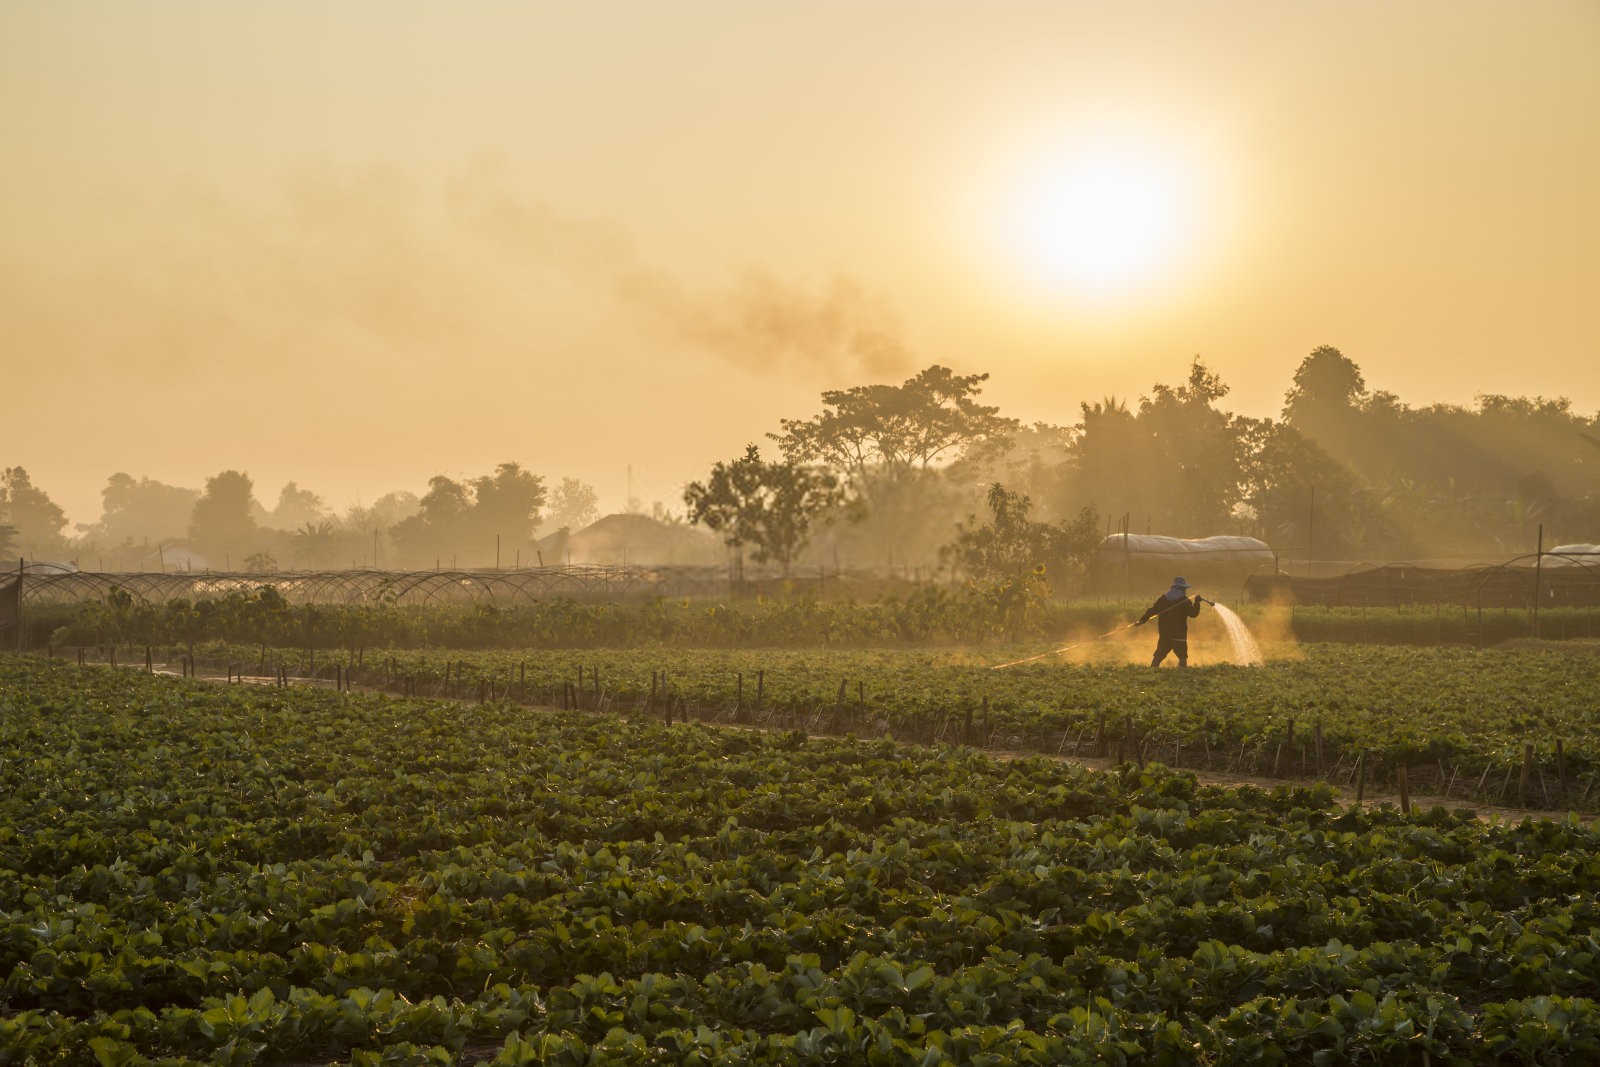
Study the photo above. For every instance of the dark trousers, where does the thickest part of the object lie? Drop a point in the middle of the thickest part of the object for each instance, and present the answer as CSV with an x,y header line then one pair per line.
x,y
1180,645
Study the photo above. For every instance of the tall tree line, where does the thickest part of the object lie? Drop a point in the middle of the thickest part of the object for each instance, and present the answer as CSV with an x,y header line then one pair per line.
x,y
889,475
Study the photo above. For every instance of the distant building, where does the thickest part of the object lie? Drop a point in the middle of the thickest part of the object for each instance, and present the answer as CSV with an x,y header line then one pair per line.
x,y
632,539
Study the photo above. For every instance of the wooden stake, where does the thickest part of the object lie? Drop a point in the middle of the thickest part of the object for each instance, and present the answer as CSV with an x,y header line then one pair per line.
x,y
1527,772
1361,777
1405,794
1561,770
1317,736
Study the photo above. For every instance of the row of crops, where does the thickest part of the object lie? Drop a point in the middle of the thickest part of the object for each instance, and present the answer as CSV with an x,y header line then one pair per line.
x,y
927,615
1512,726
240,874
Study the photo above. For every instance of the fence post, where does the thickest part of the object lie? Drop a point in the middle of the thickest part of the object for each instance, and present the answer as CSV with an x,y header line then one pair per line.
x,y
1538,575
1527,772
1361,777
1561,770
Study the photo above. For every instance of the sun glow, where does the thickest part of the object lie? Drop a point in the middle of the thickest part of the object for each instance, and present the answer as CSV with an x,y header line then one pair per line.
x,y
1100,223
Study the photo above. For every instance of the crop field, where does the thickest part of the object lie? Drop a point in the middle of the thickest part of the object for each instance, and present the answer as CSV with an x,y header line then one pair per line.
x,y
1517,726
930,615
205,873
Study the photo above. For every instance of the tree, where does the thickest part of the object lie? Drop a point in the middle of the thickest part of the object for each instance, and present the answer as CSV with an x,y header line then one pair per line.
x,y
1307,502
296,507
315,543
221,524
888,444
136,510
1196,454
895,428
439,521
769,506
1015,558
37,519
506,504
1175,465
386,511
573,505
260,563
8,541
1326,383
1011,544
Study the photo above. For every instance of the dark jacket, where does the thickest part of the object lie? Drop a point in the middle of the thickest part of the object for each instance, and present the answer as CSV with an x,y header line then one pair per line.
x,y
1172,616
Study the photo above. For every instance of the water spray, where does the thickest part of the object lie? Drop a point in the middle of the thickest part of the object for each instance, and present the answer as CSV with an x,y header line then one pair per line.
x,y
1246,651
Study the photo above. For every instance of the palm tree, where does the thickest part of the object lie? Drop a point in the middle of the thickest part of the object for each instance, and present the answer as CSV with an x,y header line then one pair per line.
x,y
314,541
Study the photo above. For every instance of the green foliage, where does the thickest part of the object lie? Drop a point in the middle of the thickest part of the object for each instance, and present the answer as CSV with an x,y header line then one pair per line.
x,y
471,515
227,874
921,615
1010,544
1449,714
769,506
888,443
35,521
222,523
1013,559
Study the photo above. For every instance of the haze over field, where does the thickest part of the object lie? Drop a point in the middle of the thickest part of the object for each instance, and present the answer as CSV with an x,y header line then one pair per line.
x,y
368,242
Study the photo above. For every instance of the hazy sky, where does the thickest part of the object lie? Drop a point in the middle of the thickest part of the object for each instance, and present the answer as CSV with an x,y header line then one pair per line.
x,y
357,244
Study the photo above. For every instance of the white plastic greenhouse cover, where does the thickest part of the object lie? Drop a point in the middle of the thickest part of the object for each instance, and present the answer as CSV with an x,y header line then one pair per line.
x,y
1590,556
1220,549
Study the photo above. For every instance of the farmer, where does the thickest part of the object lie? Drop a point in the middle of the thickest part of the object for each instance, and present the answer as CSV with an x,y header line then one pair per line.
x,y
1172,612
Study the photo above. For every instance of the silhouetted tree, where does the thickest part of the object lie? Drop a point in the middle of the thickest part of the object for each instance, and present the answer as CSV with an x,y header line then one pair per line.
x,y
887,443
296,507
507,503
137,510
769,506
221,525
37,519
573,504
1014,559
1327,383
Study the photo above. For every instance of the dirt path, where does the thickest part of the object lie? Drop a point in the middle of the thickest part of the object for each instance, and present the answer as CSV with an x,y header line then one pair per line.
x,y
1342,795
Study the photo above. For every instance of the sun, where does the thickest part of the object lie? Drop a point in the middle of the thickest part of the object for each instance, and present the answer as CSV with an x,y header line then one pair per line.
x,y
1100,223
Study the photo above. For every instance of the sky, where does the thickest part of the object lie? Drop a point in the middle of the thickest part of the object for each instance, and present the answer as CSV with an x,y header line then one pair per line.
x,y
358,244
